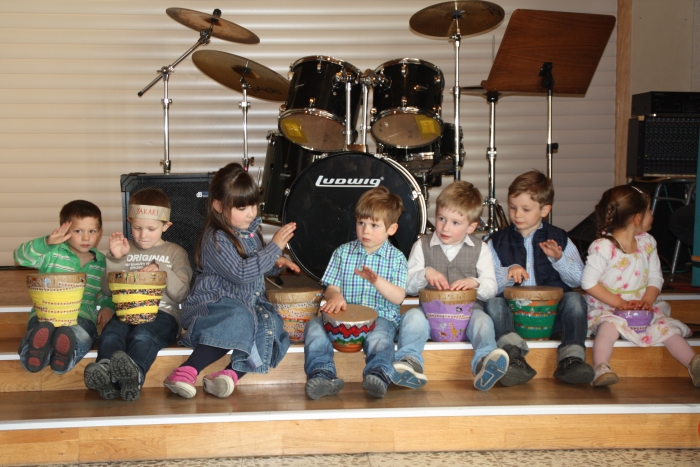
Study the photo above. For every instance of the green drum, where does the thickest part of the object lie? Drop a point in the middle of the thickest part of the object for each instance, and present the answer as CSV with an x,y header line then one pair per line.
x,y
534,309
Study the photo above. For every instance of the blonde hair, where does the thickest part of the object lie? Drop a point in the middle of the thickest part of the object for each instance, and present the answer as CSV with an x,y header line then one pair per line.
x,y
379,204
463,197
534,183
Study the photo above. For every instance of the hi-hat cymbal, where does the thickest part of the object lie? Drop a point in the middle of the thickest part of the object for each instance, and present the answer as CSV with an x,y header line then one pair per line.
x,y
446,19
228,69
221,29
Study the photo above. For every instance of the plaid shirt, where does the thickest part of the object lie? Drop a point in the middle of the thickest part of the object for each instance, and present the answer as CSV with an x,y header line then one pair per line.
x,y
388,262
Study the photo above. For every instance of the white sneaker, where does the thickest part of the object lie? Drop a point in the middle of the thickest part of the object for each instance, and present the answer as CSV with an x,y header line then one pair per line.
x,y
604,376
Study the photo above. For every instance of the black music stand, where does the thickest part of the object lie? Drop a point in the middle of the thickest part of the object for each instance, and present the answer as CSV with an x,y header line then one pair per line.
x,y
549,52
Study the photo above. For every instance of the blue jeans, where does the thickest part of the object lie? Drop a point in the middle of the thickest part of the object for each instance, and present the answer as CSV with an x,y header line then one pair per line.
x,y
378,348
481,333
414,331
85,334
571,321
141,342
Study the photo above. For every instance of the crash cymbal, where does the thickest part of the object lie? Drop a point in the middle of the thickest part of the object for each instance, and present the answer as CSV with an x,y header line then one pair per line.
x,y
221,29
228,69
467,18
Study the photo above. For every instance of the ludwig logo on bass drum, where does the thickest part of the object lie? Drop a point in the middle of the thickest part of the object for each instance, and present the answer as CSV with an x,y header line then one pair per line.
x,y
354,182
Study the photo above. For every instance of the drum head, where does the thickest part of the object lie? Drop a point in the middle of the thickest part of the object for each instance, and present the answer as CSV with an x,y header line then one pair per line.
x,y
322,203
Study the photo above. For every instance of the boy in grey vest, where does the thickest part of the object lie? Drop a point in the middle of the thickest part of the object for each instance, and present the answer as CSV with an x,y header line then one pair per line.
x,y
453,259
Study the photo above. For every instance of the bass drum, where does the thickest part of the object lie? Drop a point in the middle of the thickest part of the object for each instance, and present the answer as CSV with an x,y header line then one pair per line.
x,y
322,203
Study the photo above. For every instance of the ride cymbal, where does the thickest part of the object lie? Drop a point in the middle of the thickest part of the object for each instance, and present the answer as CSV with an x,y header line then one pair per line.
x,y
228,69
220,28
467,18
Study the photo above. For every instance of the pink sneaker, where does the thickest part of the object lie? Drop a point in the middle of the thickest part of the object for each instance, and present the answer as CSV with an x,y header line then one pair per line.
x,y
221,383
181,381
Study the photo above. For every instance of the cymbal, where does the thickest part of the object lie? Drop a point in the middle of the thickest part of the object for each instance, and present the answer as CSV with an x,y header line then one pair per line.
x,y
228,69
467,18
221,28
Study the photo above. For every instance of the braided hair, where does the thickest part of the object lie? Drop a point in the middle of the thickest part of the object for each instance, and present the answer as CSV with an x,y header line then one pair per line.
x,y
616,209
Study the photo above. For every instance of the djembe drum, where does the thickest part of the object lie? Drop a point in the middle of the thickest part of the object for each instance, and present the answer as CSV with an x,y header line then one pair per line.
x,y
296,307
448,313
136,295
534,309
637,320
57,297
348,329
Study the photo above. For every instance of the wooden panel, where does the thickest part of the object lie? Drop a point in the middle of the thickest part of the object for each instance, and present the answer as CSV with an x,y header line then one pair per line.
x,y
623,100
39,446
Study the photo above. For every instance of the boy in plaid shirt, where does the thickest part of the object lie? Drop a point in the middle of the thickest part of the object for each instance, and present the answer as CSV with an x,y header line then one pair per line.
x,y
368,271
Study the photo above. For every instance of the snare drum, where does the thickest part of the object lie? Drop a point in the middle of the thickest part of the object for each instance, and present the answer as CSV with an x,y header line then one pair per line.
x,y
314,114
448,313
322,203
136,295
407,103
534,309
57,297
348,329
296,307
436,158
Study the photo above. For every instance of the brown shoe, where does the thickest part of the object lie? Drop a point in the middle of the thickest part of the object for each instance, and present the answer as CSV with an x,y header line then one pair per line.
x,y
604,376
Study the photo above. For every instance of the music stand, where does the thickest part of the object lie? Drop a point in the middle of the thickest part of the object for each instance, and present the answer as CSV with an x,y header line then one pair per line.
x,y
547,52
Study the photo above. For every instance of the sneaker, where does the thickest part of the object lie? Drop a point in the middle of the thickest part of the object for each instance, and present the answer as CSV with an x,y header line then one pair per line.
x,y
604,376
410,373
98,378
519,372
128,374
694,371
491,368
63,349
573,370
220,384
40,346
318,386
375,385
181,381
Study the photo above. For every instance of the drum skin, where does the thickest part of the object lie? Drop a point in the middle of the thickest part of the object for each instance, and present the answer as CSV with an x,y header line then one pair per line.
x,y
534,309
348,329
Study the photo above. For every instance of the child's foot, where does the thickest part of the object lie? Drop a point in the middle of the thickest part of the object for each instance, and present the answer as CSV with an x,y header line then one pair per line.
x,y
573,370
519,372
604,376
63,349
181,381
694,370
220,384
410,373
375,384
128,374
40,346
321,384
98,378
490,369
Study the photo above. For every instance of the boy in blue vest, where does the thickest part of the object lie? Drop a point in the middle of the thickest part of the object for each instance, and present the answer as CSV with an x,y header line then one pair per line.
x,y
532,252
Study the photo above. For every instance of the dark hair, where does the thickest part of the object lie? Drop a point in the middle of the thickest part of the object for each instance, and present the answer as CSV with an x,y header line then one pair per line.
x,y
233,187
617,207
80,209
150,197
379,204
534,183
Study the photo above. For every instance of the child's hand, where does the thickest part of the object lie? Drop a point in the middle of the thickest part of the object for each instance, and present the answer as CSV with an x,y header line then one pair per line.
x,y
283,262
518,274
284,234
465,284
638,305
118,245
104,316
436,279
153,267
551,248
367,274
335,304
59,235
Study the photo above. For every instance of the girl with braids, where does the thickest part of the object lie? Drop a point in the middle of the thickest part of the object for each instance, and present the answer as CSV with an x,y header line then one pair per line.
x,y
227,309
623,272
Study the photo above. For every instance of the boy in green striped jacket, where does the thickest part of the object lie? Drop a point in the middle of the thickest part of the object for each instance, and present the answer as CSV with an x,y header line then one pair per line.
x,y
68,249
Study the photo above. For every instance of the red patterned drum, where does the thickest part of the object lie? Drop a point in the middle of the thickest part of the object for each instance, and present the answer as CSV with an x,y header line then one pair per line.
x,y
348,329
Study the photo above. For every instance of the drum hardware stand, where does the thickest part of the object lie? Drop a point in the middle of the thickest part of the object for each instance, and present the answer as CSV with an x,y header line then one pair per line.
x,y
548,83
457,39
204,37
347,78
245,105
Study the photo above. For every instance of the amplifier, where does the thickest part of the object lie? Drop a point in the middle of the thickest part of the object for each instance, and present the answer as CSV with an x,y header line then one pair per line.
x,y
657,102
663,145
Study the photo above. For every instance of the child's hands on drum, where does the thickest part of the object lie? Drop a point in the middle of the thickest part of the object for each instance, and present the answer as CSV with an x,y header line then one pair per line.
x,y
436,279
367,274
465,284
637,305
153,267
60,235
518,274
118,245
283,262
335,304
551,248
284,234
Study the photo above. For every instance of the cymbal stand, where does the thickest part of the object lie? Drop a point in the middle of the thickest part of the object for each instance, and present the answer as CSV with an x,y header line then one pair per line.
x,y
457,39
496,216
204,37
245,105
548,83
347,78
365,111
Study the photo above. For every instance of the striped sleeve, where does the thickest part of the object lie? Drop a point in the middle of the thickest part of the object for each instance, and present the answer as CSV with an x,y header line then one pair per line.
x,y
32,253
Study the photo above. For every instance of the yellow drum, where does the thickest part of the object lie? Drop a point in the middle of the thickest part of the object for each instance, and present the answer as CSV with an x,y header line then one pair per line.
x,y
534,309
57,297
296,307
448,313
348,329
136,295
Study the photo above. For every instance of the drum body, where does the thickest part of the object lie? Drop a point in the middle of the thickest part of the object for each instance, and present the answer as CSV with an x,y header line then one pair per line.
x,y
296,307
314,114
284,161
348,329
534,310
57,297
136,295
407,103
448,313
322,203
436,158
637,320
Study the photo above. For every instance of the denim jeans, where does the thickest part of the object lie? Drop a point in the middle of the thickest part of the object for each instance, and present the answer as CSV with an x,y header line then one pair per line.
x,y
141,342
85,334
571,321
481,333
414,331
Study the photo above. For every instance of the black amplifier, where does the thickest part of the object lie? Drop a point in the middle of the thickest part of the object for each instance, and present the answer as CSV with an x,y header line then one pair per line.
x,y
673,103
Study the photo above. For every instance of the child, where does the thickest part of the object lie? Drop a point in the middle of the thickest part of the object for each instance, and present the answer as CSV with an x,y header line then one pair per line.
x,y
623,272
368,271
452,259
70,248
532,252
125,352
227,310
